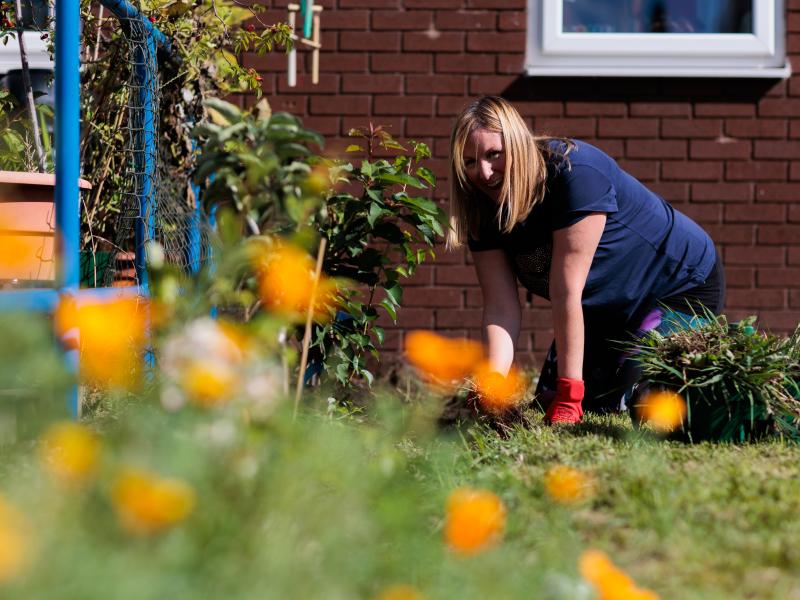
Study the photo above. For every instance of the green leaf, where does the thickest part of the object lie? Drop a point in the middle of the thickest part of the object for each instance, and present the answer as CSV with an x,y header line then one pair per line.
x,y
394,291
354,148
380,334
390,309
402,179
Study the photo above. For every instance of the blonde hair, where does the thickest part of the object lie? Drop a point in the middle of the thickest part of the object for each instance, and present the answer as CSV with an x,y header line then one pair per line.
x,y
525,169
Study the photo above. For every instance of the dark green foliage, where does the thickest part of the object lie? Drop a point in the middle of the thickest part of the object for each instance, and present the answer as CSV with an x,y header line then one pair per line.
x,y
739,383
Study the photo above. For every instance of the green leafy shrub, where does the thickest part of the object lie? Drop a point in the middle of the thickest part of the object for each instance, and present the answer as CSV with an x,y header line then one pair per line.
x,y
738,383
377,226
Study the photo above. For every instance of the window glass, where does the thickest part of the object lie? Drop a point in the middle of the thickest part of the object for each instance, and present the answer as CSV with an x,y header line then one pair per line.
x,y
657,16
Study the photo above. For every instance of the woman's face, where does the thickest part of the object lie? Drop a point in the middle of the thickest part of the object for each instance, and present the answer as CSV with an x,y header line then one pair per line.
x,y
485,162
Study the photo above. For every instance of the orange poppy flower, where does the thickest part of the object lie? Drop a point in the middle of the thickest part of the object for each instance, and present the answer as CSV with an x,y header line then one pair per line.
x,y
475,520
443,360
663,410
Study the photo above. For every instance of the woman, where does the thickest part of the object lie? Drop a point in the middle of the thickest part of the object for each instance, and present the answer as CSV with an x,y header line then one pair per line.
x,y
564,219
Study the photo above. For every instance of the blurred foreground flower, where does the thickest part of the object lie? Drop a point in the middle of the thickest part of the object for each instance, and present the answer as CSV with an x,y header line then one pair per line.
x,y
15,543
498,393
287,283
400,592
567,485
148,504
610,582
663,410
70,453
444,360
208,383
475,520
111,334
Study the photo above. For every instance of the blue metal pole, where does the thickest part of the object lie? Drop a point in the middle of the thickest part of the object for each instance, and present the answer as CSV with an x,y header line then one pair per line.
x,y
67,161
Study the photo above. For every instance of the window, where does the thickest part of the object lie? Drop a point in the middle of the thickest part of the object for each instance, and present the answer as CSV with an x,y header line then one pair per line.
x,y
682,38
35,14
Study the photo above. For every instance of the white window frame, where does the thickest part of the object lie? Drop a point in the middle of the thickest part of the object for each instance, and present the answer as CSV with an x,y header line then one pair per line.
x,y
36,49
551,52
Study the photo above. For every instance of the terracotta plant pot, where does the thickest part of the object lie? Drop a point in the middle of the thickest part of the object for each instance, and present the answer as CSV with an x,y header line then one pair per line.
x,y
27,225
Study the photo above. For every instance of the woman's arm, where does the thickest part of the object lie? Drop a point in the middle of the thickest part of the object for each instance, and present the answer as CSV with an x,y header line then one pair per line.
x,y
573,252
501,310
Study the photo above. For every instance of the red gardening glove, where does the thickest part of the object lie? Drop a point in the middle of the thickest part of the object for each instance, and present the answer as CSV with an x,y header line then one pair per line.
x,y
566,407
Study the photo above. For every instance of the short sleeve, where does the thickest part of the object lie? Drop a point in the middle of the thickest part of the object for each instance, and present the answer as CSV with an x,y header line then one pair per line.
x,y
584,190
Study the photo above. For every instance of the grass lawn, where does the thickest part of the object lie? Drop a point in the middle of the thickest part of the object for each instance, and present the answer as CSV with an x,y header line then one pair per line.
x,y
687,521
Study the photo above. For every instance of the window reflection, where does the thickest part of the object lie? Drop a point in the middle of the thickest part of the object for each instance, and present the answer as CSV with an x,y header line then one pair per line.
x,y
658,16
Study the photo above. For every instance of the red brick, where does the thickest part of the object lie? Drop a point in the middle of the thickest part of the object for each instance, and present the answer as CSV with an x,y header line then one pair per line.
x,y
724,148
691,170
272,62
512,21
387,4
755,298
793,22
779,107
433,41
794,86
337,20
643,170
701,213
510,63
614,148
581,128
408,318
778,192
385,41
752,170
497,4
433,3
777,149
474,298
731,234
725,109
433,297
781,277
794,129
793,257
323,125
724,192
756,128
511,41
794,171
753,255
451,105
466,20
416,126
542,108
595,109
291,104
456,275
691,128
402,20
488,84
401,63
762,213
372,84
741,277
436,84
468,317
628,128
394,125
391,105
671,192
441,148
423,276
450,257
779,234
779,321
467,64
655,149
328,84
660,109
339,105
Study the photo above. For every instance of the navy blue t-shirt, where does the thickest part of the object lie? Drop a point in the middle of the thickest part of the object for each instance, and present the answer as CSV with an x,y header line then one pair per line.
x,y
648,250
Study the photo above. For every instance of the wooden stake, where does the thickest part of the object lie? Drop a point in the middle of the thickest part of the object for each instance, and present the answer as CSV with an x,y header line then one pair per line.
x,y
291,75
307,334
315,52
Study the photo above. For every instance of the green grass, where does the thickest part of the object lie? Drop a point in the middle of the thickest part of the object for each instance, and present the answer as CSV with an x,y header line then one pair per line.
x,y
688,521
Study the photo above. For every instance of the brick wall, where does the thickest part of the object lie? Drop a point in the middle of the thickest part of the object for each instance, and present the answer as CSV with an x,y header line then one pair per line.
x,y
726,152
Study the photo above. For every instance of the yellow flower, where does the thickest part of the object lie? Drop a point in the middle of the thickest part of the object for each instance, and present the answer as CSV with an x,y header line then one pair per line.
x,y
287,283
70,453
610,582
475,520
400,592
567,485
498,393
443,360
208,383
15,542
663,410
148,504
111,335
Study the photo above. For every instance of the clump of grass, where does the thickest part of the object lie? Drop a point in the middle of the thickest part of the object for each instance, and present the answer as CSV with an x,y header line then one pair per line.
x,y
739,383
